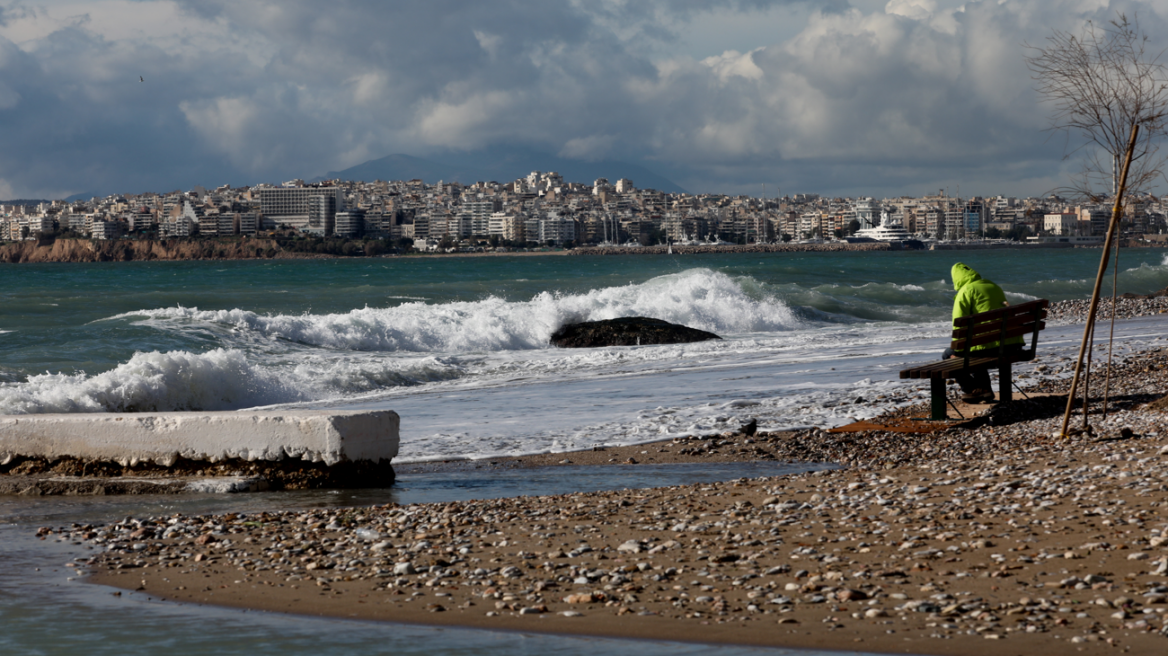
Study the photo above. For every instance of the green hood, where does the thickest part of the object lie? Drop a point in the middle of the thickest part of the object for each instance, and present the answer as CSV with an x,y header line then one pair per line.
x,y
963,275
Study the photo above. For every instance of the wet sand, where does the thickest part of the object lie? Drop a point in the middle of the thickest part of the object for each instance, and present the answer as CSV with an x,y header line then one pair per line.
x,y
988,537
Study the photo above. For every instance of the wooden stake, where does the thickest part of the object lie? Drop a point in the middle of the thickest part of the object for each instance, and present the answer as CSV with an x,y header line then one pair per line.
x,y
1094,306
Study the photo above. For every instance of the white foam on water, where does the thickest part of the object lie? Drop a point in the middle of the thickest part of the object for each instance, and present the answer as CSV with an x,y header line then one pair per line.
x,y
829,380
699,298
222,485
221,379
1019,297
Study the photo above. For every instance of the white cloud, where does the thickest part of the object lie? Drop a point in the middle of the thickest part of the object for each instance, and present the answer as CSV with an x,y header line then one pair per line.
x,y
734,63
592,147
896,93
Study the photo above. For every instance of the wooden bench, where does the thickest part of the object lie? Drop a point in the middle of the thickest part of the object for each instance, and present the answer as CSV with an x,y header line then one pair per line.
x,y
977,330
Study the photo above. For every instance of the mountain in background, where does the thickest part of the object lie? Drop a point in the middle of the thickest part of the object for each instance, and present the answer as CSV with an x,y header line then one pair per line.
x,y
86,195
499,165
24,201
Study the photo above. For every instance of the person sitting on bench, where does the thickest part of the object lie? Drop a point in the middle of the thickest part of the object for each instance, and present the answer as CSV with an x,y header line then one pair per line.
x,y
976,294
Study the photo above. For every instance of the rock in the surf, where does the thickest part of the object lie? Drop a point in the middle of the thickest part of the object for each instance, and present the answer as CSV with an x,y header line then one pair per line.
x,y
626,331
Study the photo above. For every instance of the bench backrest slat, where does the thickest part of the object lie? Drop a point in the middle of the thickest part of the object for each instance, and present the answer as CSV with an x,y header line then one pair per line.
x,y
991,336
1010,310
998,325
993,327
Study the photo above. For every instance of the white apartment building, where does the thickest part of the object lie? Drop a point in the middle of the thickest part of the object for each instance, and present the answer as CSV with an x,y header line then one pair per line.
x,y
177,226
811,222
497,224
506,226
107,229
39,224
1063,223
867,213
556,230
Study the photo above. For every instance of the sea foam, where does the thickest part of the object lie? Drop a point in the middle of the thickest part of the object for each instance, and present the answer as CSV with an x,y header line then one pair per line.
x,y
221,379
699,298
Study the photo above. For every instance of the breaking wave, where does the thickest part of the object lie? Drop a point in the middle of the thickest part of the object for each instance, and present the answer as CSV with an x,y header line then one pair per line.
x,y
222,379
699,298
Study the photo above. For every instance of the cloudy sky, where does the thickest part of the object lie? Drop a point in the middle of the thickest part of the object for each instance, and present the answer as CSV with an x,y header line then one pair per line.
x,y
839,97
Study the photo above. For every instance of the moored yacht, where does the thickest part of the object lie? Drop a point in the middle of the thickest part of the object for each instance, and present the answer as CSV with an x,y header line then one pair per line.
x,y
886,231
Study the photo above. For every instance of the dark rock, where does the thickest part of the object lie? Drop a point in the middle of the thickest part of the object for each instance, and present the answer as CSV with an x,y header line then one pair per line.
x,y
626,331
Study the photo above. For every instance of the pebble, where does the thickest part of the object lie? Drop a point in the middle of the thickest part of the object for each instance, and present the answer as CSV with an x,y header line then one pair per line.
x,y
904,528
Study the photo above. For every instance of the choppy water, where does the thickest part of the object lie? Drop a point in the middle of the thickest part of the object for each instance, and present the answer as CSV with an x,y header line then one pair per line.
x,y
458,346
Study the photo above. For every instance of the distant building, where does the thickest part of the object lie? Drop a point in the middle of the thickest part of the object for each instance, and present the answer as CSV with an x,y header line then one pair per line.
x,y
557,230
291,206
349,223
141,220
177,226
867,213
377,224
225,224
1093,220
246,223
40,225
105,230
322,215
975,217
1063,223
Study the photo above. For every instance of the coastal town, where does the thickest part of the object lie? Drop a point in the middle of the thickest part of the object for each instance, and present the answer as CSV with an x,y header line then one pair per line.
x,y
544,210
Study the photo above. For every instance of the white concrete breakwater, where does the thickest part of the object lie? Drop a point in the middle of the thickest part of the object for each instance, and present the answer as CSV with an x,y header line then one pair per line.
x,y
328,437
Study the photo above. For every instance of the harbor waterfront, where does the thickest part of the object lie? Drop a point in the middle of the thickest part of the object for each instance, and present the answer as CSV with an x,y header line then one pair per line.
x,y
458,348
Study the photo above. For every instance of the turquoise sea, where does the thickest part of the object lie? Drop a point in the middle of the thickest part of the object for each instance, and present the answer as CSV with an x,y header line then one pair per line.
x,y
458,346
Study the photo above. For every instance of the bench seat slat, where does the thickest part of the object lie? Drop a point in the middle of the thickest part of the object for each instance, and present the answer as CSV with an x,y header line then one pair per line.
x,y
949,368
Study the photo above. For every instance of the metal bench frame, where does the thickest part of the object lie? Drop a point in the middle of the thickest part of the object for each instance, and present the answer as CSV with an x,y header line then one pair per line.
x,y
994,326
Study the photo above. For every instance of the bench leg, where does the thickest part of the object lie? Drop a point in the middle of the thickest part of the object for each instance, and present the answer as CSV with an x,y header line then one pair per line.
x,y
938,398
1005,387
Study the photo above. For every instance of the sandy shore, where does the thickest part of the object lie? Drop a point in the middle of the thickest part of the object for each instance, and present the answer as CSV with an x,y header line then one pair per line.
x,y
973,540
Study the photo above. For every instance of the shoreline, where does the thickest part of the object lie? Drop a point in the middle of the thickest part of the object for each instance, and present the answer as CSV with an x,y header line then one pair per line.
x,y
71,476
943,543
265,248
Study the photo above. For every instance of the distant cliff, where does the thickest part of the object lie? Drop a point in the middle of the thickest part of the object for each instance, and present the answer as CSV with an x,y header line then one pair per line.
x,y
84,250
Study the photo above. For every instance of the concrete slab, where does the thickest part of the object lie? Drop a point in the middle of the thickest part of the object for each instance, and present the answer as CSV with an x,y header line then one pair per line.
x,y
38,486
324,436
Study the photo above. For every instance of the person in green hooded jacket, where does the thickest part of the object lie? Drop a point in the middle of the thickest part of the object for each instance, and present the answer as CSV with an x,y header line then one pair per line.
x,y
976,294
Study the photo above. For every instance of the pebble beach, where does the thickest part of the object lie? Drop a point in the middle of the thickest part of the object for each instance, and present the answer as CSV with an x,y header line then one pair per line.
x,y
987,534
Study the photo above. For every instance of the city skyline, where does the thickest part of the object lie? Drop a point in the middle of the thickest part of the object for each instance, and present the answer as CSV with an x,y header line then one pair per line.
x,y
843,98
545,208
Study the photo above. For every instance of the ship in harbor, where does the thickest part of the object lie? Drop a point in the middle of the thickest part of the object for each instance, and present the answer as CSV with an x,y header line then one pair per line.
x,y
888,231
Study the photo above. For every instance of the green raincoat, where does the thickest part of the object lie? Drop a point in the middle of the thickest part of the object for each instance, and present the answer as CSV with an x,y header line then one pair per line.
x,y
976,294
